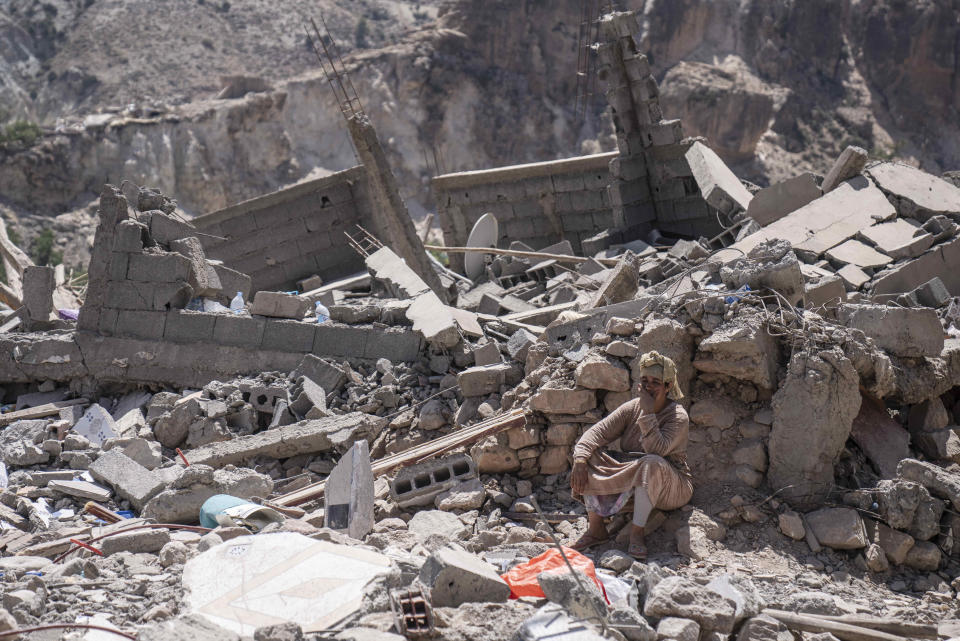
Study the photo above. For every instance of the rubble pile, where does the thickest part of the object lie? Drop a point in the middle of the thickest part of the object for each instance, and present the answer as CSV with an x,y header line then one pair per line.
x,y
388,454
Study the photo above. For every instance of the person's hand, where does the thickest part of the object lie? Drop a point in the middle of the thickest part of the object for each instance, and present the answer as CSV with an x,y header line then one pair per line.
x,y
647,400
578,477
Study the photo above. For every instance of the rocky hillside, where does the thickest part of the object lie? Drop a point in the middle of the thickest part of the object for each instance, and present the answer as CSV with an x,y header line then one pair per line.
x,y
124,92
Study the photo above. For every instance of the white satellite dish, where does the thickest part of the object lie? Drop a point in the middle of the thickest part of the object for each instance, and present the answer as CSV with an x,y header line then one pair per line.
x,y
485,233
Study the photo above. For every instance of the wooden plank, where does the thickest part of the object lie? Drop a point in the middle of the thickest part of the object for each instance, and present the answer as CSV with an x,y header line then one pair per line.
x,y
891,626
430,449
39,411
844,631
541,256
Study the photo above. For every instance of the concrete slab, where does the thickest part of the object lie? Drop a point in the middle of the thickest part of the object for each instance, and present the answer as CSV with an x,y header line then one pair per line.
x,y
719,186
434,320
853,276
254,581
825,222
129,479
942,260
853,252
923,194
384,265
81,489
776,201
899,238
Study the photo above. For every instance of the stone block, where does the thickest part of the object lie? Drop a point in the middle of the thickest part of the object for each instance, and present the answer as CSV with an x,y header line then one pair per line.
x,y
493,458
828,292
338,340
838,528
551,400
480,381
850,163
620,285
128,237
487,354
239,330
555,459
455,576
394,343
137,542
184,326
680,597
288,336
719,186
327,375
141,324
159,268
923,556
519,345
742,350
598,372
776,201
38,285
279,305
932,293
308,400
898,330
129,479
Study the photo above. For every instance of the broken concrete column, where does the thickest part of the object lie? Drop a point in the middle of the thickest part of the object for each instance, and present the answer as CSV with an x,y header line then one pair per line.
x,y
348,493
389,211
305,437
851,162
813,413
38,285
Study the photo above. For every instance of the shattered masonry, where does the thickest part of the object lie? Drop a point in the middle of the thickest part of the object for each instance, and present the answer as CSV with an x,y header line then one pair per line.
x,y
384,471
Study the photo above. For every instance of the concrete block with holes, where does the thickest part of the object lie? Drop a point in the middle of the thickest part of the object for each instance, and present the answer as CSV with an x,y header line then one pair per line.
x,y
419,484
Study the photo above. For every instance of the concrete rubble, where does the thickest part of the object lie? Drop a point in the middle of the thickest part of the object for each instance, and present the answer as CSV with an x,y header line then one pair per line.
x,y
816,332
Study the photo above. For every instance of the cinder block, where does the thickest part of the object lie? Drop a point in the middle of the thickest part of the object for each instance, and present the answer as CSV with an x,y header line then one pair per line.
x,y
586,200
263,398
119,263
419,484
268,278
158,268
108,321
141,324
568,182
238,226
189,327
164,228
148,296
338,340
232,281
288,336
129,237
626,192
577,222
394,344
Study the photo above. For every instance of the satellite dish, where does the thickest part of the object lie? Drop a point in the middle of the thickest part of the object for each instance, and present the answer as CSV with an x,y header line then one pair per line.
x,y
485,233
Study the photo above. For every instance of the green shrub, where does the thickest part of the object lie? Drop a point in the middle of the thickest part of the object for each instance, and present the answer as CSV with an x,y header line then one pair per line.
x,y
19,134
43,252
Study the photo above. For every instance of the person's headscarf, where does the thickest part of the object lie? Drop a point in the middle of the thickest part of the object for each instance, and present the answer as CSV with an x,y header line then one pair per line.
x,y
656,365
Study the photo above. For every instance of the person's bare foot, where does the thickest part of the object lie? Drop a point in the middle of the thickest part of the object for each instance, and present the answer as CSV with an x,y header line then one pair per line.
x,y
590,538
637,548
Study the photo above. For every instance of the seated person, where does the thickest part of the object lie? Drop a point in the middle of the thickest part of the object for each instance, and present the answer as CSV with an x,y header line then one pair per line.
x,y
652,466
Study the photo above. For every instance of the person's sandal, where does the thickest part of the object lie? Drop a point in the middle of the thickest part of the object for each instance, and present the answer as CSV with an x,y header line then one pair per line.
x,y
588,541
638,551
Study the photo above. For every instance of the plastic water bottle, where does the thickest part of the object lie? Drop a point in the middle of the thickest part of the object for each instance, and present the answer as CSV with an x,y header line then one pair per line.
x,y
323,314
236,305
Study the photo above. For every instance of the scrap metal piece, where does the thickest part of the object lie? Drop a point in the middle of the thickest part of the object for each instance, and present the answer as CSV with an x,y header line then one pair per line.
x,y
412,612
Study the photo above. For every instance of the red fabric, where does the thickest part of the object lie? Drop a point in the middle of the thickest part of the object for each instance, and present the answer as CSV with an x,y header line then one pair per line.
x,y
523,578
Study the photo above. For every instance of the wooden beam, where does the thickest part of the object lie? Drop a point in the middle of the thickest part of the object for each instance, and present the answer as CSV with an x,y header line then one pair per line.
x,y
39,411
816,624
428,450
560,258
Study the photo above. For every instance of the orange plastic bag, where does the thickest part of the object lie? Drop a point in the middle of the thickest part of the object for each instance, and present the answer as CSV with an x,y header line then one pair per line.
x,y
523,578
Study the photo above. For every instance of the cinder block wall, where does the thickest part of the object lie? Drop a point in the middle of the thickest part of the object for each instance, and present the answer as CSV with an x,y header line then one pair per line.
x,y
538,204
133,325
292,233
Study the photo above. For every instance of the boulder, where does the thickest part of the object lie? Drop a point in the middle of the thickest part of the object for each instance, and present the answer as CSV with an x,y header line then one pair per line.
x,y
598,372
813,415
680,597
839,528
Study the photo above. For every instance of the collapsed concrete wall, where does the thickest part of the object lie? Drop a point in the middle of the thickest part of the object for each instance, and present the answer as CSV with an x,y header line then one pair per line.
x,y
292,233
538,204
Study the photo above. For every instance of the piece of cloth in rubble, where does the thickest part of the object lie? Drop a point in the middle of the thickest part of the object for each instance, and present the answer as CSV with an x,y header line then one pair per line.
x,y
654,456
609,504
656,365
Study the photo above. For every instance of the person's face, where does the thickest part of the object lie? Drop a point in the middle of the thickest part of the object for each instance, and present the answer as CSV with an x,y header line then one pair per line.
x,y
653,386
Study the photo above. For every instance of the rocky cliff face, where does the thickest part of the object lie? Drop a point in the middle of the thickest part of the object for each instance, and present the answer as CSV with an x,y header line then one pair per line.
x,y
777,86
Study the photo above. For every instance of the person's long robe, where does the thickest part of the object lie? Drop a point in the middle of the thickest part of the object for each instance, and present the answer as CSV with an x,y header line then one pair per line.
x,y
659,443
